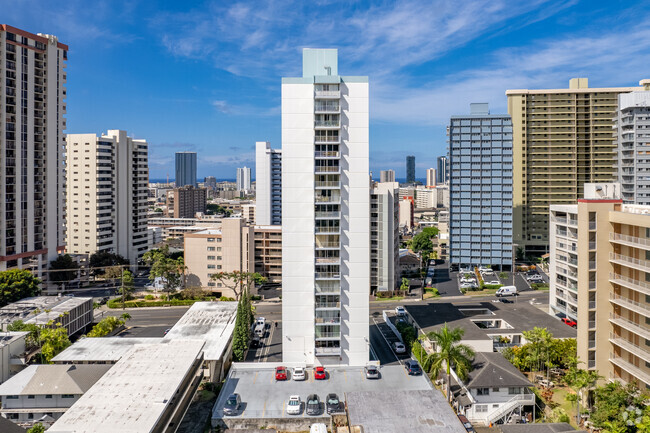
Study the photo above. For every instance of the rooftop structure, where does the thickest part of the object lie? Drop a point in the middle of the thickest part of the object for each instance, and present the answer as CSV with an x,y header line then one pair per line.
x,y
12,354
73,313
145,391
105,350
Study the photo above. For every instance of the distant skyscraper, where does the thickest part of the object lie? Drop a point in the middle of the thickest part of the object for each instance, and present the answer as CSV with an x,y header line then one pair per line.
x,y
410,169
244,179
431,177
325,214
185,169
387,176
210,182
443,170
481,235
268,184
32,193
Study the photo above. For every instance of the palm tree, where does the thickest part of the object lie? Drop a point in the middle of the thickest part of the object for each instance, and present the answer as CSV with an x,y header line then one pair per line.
x,y
449,353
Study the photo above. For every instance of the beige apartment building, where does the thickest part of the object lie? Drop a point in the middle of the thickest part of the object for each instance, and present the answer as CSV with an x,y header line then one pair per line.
x,y
214,250
562,139
186,201
268,252
107,189
600,275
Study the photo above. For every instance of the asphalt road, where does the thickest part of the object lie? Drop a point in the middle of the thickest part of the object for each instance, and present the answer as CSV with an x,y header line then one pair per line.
x,y
147,322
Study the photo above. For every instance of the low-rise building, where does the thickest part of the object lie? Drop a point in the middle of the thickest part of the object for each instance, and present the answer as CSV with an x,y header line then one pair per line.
x,y
409,262
74,314
105,350
42,393
268,252
12,354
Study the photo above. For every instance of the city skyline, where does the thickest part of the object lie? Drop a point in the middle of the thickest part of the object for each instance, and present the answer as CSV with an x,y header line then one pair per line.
x,y
220,101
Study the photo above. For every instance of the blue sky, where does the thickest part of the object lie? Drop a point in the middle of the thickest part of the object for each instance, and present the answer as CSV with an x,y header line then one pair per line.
x,y
205,75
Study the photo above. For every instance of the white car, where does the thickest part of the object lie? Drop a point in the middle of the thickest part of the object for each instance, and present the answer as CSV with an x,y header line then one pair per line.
x,y
260,321
493,282
465,279
294,405
484,269
468,286
299,374
400,311
399,347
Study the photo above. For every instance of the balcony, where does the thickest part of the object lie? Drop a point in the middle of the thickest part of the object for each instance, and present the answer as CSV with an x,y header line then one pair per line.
x,y
630,262
328,260
324,139
641,352
334,198
328,351
327,215
327,169
327,230
630,283
327,154
327,94
631,241
628,304
327,124
325,305
327,275
632,369
327,184
631,326
327,108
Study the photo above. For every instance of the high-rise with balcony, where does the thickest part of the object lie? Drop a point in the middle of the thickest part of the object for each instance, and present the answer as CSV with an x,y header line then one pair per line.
x,y
107,189
410,169
562,139
243,179
185,169
632,133
268,184
325,214
384,237
480,217
32,143
600,273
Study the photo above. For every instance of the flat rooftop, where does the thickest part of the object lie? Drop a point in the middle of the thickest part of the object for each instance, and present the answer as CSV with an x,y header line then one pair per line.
x,y
263,397
393,411
521,316
135,392
56,305
213,322
105,349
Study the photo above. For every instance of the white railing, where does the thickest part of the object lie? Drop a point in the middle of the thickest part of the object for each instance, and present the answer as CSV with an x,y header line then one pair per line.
x,y
327,184
629,346
630,304
328,93
630,325
327,154
629,260
629,239
630,368
514,402
630,283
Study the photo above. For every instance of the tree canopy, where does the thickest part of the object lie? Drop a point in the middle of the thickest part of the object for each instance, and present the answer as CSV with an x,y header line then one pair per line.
x,y
104,259
66,269
238,281
17,284
53,341
169,269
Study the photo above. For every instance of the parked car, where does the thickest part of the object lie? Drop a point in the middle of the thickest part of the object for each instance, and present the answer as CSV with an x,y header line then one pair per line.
x,y
399,347
505,300
484,269
333,403
572,323
468,286
534,278
372,372
466,423
412,367
233,404
493,282
299,373
319,373
280,373
261,321
400,311
465,279
313,405
318,428
506,291
294,405
256,342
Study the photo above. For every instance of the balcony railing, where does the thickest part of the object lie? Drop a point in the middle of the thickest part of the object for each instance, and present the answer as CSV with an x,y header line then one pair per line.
x,y
327,184
630,262
630,325
328,275
327,154
327,139
328,260
326,230
641,352
328,320
633,241
320,214
327,334
630,283
627,303
327,108
327,169
328,305
334,198
328,244
328,351
630,368
328,94
327,124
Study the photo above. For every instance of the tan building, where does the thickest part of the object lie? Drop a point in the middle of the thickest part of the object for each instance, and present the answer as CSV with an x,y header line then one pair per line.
x,y
248,213
212,251
600,268
186,201
562,139
107,189
431,177
268,252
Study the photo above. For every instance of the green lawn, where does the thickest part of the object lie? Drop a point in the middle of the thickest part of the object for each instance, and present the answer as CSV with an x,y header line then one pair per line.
x,y
481,292
559,395
394,298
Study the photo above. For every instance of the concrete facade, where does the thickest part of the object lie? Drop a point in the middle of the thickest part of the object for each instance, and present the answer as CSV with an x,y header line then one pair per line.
x,y
12,354
384,237
268,252
386,176
443,170
431,177
107,190
185,169
186,201
268,184
325,214
32,200
562,139
243,179
480,214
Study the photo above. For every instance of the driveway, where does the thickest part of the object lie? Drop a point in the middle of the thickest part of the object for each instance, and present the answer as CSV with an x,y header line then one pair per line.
x,y
446,282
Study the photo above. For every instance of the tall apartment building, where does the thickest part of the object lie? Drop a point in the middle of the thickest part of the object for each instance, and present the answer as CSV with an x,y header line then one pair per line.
x,y
268,252
426,198
599,269
186,201
325,214
562,139
480,217
185,169
107,189
431,177
268,184
632,133
384,237
211,251
210,182
410,169
32,199
443,170
386,176
243,179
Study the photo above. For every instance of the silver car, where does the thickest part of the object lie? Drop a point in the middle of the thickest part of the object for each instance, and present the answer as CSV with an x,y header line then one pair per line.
x,y
372,372
233,404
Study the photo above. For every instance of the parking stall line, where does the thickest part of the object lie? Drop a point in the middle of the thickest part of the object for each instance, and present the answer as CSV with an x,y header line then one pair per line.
x,y
264,410
255,378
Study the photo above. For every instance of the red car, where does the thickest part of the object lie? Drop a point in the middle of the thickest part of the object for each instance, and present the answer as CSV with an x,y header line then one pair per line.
x,y
572,323
280,373
319,373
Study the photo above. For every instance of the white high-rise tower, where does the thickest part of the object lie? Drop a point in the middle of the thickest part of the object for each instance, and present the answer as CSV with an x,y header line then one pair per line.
x,y
325,214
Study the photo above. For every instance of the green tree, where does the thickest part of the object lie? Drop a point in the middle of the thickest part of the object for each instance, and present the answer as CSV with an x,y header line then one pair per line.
x,y
405,285
17,284
37,428
171,270
65,267
242,330
539,340
580,380
238,281
54,339
609,402
107,325
449,354
32,339
104,259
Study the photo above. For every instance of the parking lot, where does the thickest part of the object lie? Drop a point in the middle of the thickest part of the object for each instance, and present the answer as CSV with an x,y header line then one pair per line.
x,y
264,397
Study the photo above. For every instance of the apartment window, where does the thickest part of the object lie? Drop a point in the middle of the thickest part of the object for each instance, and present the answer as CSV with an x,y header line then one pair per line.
x,y
515,390
210,257
218,266
211,267
210,239
479,408
12,397
495,389
210,248
218,257
647,232
647,255
48,395
218,239
31,397
219,249
482,391
211,284
67,396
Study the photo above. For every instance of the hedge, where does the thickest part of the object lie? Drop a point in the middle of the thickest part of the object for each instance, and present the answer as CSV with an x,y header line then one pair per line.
x,y
115,303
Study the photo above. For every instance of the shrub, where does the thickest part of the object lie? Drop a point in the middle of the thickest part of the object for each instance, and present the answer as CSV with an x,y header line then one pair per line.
x,y
226,299
149,297
538,286
105,326
492,286
117,303
503,275
256,298
408,334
